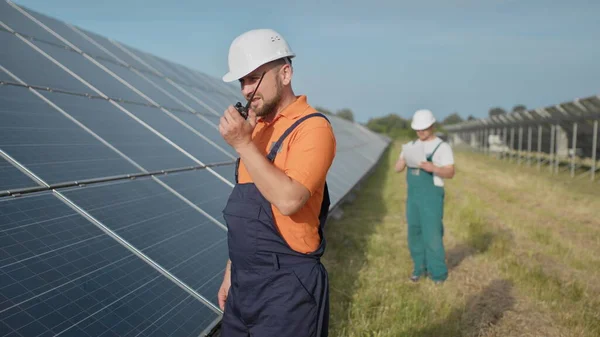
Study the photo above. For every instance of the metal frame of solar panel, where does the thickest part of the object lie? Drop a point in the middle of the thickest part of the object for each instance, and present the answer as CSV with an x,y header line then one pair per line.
x,y
574,124
112,180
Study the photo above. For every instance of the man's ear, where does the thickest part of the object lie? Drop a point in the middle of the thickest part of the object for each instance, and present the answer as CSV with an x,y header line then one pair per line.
x,y
286,73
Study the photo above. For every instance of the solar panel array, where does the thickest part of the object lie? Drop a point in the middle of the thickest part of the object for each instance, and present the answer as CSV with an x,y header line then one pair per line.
x,y
113,176
540,125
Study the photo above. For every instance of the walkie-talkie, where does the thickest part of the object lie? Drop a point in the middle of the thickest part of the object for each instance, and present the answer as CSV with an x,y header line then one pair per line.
x,y
243,110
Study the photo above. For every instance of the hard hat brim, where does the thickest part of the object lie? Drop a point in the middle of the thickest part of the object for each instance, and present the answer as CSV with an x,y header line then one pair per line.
x,y
418,127
230,76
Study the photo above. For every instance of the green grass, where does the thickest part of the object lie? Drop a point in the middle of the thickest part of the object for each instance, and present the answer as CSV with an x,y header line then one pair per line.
x,y
510,273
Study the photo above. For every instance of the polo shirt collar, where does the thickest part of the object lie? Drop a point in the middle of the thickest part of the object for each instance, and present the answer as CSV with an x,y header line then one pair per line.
x,y
294,110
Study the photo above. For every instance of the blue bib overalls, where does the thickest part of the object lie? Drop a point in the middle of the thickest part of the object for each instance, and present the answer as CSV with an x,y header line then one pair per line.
x,y
275,291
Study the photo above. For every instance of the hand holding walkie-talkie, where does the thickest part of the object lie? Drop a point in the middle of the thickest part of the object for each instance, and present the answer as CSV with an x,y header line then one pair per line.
x,y
243,110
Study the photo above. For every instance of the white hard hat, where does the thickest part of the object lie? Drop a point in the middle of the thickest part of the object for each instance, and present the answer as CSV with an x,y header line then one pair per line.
x,y
422,119
254,48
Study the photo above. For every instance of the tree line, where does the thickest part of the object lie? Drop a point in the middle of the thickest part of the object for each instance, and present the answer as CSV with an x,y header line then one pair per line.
x,y
393,125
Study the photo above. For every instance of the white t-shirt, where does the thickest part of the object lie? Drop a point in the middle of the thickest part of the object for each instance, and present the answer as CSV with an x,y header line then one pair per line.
x,y
443,156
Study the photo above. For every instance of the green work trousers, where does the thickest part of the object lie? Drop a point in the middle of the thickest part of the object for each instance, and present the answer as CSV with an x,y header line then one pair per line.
x,y
424,215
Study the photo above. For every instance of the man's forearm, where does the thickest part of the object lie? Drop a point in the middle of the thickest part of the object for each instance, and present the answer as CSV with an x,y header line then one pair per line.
x,y
446,172
272,183
400,165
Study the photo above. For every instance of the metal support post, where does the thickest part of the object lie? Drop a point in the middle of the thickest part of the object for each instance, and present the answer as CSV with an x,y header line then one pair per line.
x,y
539,165
551,159
574,149
594,149
512,142
557,161
505,140
482,140
486,144
529,145
520,144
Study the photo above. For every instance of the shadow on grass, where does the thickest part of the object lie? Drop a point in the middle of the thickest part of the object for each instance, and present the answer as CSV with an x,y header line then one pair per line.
x,y
480,238
477,243
480,313
347,242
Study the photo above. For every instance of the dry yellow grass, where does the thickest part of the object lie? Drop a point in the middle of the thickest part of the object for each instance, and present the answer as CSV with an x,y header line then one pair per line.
x,y
522,253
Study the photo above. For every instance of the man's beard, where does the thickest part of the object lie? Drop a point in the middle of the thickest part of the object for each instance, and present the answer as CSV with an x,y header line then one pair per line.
x,y
270,106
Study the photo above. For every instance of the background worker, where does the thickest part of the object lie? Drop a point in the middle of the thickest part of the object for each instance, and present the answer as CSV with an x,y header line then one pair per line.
x,y
274,283
425,200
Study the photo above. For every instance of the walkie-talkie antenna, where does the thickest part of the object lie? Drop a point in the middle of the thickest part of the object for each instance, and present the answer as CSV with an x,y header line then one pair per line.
x,y
254,92
243,110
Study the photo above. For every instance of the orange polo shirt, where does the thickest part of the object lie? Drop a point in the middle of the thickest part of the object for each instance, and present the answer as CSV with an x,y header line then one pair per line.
x,y
305,156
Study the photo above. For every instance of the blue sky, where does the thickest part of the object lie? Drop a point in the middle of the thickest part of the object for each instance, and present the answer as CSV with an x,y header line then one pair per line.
x,y
378,57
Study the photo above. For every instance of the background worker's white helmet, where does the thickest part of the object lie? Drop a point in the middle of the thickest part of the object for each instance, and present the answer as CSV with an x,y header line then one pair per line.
x,y
254,48
422,119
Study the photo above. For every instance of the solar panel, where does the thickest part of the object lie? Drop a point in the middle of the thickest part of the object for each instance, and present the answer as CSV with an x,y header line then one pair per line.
x,y
592,104
122,131
116,226
160,225
33,67
60,274
202,189
12,178
45,141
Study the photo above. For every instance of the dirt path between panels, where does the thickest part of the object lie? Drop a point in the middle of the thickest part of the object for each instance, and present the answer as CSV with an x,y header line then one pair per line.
x,y
523,255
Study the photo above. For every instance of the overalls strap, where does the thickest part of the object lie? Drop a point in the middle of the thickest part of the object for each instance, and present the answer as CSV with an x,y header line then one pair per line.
x,y
275,149
277,145
432,153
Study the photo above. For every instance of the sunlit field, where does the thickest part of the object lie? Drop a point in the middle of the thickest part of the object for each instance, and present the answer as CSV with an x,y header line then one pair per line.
x,y
522,246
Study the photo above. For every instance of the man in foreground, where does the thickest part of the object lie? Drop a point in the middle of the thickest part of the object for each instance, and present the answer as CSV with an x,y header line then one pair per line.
x,y
425,200
274,283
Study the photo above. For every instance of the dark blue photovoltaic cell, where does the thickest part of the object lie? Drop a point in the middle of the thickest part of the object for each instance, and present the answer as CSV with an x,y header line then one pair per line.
x,y
11,178
103,118
32,67
4,76
205,83
74,61
123,132
152,61
69,34
82,43
187,96
122,57
335,191
202,93
226,171
179,134
210,131
144,86
147,88
49,144
342,172
116,51
203,189
72,36
20,23
202,89
214,100
158,223
91,73
337,186
60,274
230,89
